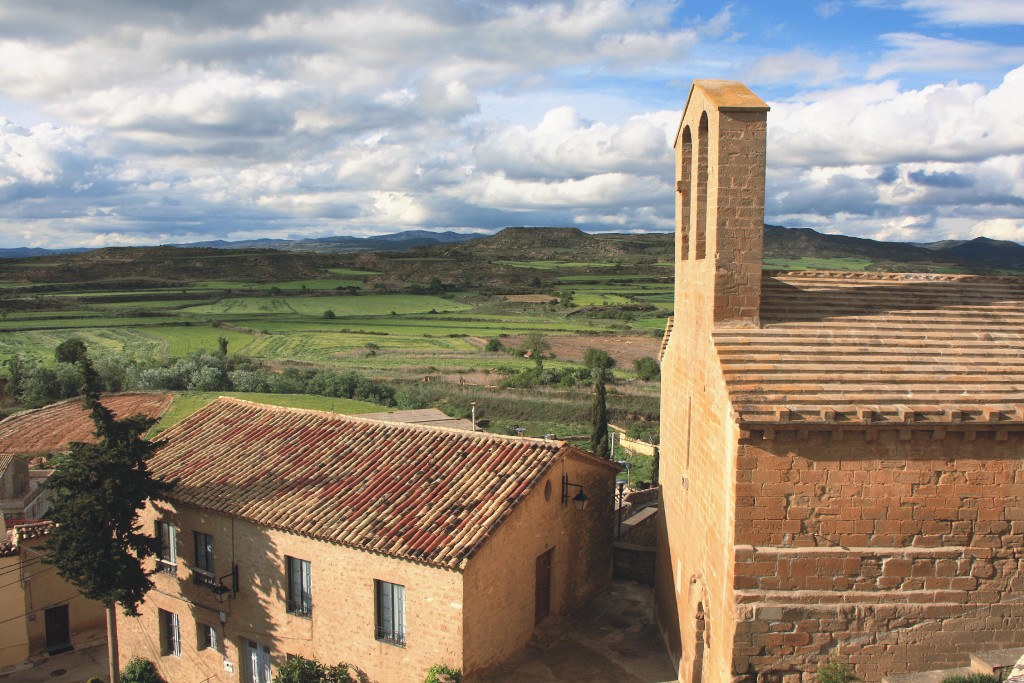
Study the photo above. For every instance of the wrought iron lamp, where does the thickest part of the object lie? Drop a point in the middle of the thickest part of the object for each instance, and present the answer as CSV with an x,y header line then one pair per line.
x,y
220,590
579,501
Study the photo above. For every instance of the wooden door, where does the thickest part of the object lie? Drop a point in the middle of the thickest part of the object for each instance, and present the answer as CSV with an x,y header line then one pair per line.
x,y
543,593
58,629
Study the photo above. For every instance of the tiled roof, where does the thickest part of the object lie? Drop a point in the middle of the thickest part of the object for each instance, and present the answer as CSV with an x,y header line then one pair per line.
x,y
880,348
21,533
52,428
428,494
5,460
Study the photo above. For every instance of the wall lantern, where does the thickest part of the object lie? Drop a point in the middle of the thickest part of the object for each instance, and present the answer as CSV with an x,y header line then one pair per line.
x,y
579,501
220,590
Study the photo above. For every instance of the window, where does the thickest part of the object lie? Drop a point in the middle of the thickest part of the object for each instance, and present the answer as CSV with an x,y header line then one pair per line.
x,y
170,634
167,559
390,612
207,636
202,571
257,662
300,587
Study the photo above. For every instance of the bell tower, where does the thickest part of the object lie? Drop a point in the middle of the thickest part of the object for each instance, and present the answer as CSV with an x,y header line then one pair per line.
x,y
720,170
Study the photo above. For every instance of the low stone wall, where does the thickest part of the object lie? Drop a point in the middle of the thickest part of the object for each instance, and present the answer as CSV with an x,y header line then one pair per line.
x,y
636,548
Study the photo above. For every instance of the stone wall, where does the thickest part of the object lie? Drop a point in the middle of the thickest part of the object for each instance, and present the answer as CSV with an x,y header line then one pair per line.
x,y
900,551
715,285
340,629
500,581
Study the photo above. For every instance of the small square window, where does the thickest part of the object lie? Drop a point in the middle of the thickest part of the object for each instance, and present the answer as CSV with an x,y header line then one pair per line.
x,y
300,587
167,558
170,633
390,612
207,636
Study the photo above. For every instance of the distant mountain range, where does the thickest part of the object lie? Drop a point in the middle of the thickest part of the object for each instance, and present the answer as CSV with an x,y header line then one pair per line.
x,y
979,255
341,244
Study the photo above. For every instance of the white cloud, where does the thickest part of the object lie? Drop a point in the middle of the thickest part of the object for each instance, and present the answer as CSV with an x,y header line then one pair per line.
x,y
913,52
879,123
976,12
798,64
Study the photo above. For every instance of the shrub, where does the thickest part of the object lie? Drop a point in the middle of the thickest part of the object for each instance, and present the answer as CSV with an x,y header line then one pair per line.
x,y
439,673
140,670
646,368
329,314
95,679
832,671
494,345
302,670
971,678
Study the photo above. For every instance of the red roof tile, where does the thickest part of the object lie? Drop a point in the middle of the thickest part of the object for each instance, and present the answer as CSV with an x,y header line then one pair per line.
x,y
52,428
874,347
422,493
21,533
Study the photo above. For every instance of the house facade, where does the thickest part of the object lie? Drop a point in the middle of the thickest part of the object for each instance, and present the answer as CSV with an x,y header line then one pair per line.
x,y
841,453
42,612
390,547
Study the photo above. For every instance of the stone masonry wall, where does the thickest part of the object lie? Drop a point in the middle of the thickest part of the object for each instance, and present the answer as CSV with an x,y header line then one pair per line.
x,y
899,551
499,587
342,625
694,571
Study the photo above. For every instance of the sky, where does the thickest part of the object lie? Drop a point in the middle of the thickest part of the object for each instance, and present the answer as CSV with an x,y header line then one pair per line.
x,y
137,122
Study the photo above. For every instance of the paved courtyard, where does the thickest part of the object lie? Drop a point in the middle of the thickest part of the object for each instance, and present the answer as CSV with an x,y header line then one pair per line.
x,y
611,639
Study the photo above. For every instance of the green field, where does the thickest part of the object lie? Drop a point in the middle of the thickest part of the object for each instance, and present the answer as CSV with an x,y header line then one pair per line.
x,y
186,403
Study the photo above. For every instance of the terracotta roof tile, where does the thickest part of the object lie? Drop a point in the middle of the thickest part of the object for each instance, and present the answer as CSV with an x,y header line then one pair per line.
x,y
855,347
52,428
21,533
423,493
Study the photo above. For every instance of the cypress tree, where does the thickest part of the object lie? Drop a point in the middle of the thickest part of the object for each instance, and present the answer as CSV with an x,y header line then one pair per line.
x,y
96,494
599,418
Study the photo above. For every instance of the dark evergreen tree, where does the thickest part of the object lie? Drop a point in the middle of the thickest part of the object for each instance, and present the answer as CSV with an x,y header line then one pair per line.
x,y
599,418
96,493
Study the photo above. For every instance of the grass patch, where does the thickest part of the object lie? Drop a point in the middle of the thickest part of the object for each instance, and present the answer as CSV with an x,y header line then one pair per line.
x,y
186,403
554,265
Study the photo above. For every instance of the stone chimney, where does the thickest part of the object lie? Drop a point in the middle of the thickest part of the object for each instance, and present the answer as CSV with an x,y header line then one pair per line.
x,y
720,168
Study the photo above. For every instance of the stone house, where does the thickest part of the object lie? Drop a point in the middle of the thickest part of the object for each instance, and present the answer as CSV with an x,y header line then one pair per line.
x,y
841,453
42,612
22,495
392,547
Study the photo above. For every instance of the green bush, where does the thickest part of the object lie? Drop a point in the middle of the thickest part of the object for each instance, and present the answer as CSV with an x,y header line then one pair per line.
x,y
971,678
439,673
494,345
95,679
646,368
140,670
302,670
832,671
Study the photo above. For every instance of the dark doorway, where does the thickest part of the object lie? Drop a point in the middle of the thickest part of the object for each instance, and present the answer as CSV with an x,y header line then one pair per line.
x,y
58,629
543,596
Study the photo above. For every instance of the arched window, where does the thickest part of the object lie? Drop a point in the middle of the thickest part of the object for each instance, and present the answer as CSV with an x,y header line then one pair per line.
x,y
684,191
700,239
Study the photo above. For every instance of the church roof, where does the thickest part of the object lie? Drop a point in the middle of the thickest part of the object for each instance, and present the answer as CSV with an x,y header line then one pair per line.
x,y
857,348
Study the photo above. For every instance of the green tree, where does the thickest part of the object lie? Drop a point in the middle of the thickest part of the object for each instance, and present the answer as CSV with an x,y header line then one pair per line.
x,y
598,359
222,345
535,345
646,368
372,349
599,417
329,314
302,670
96,494
71,350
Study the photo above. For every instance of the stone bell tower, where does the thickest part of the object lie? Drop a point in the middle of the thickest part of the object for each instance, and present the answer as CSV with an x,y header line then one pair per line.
x,y
720,169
